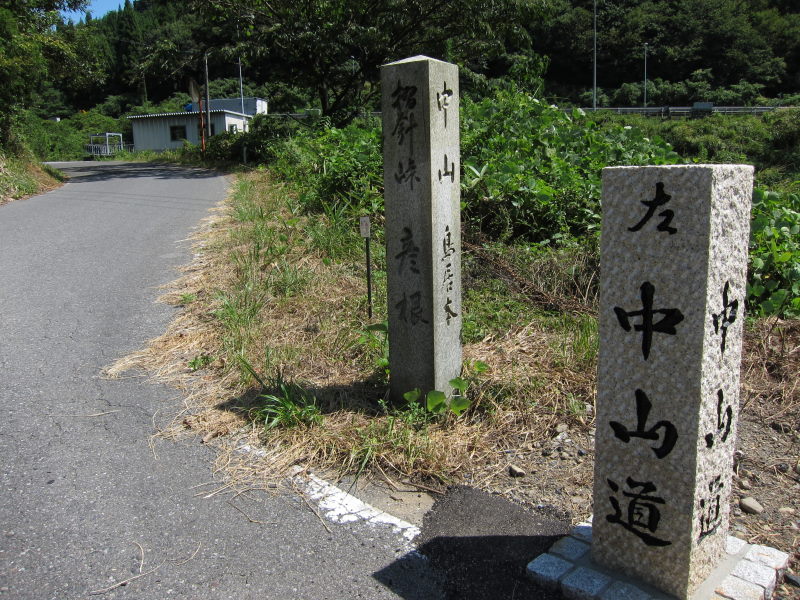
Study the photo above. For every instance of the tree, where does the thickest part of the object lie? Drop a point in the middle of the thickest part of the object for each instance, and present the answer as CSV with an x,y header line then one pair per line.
x,y
751,41
336,47
32,48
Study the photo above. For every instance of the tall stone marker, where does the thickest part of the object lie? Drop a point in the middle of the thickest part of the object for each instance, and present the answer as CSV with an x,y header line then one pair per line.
x,y
421,162
673,266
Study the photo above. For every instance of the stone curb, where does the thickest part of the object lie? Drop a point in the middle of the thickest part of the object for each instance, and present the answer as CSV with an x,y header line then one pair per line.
x,y
748,572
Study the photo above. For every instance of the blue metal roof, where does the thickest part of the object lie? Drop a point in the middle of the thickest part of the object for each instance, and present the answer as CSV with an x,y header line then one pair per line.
x,y
190,112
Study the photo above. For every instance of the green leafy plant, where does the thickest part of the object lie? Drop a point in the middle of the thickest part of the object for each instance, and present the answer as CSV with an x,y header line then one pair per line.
x,y
201,361
282,403
375,338
436,401
774,276
479,367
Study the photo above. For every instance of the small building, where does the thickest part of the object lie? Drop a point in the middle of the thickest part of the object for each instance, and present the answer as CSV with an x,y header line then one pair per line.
x,y
166,131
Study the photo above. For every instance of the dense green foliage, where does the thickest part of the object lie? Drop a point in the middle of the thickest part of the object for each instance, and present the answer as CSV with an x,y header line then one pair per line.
x,y
774,276
33,49
693,49
333,48
532,171
66,139
327,53
531,175
771,142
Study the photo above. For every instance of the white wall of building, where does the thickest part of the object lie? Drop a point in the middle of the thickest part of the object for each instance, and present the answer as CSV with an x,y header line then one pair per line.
x,y
153,132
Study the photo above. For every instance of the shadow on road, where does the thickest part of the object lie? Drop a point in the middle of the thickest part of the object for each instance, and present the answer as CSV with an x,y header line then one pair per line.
x,y
88,171
469,568
478,545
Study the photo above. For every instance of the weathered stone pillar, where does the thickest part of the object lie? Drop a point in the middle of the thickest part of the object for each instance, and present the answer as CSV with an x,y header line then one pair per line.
x,y
421,161
673,276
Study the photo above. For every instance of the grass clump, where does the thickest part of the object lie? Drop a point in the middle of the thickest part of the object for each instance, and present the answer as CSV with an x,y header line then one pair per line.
x,y
22,176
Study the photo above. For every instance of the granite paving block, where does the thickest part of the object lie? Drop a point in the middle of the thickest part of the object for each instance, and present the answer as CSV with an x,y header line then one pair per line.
x,y
757,573
547,570
620,590
734,545
582,531
768,556
569,548
584,584
739,589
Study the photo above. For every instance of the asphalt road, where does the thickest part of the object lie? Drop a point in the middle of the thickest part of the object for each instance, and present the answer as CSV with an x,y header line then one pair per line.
x,y
84,500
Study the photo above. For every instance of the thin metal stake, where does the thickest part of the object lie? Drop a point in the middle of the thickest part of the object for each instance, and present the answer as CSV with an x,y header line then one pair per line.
x,y
369,280
364,228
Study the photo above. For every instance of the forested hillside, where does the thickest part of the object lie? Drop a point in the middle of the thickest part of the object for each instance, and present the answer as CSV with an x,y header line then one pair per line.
x,y
326,54
729,51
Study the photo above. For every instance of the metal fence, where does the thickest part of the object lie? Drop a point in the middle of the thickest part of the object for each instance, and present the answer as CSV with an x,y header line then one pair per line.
x,y
107,149
650,111
686,111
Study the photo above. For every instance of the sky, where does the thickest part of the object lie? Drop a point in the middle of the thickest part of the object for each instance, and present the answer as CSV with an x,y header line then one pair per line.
x,y
97,7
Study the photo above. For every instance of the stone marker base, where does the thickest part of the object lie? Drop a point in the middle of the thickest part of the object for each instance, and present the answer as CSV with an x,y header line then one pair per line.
x,y
747,572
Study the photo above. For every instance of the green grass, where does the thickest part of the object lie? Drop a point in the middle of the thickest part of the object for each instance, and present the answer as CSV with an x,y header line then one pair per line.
x,y
490,308
16,178
579,339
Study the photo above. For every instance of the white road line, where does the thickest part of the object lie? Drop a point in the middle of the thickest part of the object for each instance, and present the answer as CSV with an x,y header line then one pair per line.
x,y
338,506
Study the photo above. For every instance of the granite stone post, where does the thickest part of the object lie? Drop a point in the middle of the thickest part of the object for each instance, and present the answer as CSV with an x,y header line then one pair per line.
x,y
421,160
672,291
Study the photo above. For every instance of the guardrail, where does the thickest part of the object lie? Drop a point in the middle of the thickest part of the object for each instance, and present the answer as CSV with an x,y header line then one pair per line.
x,y
651,111
107,149
686,111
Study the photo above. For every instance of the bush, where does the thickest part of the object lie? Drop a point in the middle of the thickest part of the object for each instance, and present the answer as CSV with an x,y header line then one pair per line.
x,y
66,139
784,139
265,135
532,171
337,169
699,87
773,285
224,147
770,141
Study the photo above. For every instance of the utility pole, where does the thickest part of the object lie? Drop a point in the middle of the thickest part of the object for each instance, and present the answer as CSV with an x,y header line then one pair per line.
x,y
645,75
594,58
208,99
241,87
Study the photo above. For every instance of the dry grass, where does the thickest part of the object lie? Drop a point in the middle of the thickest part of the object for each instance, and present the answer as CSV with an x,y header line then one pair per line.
x,y
313,337
770,369
542,372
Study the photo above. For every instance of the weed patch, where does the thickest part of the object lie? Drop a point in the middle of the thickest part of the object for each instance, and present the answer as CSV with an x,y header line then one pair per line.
x,y
21,177
273,347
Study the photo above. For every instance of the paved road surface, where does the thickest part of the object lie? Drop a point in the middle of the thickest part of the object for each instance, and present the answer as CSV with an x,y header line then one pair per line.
x,y
79,495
